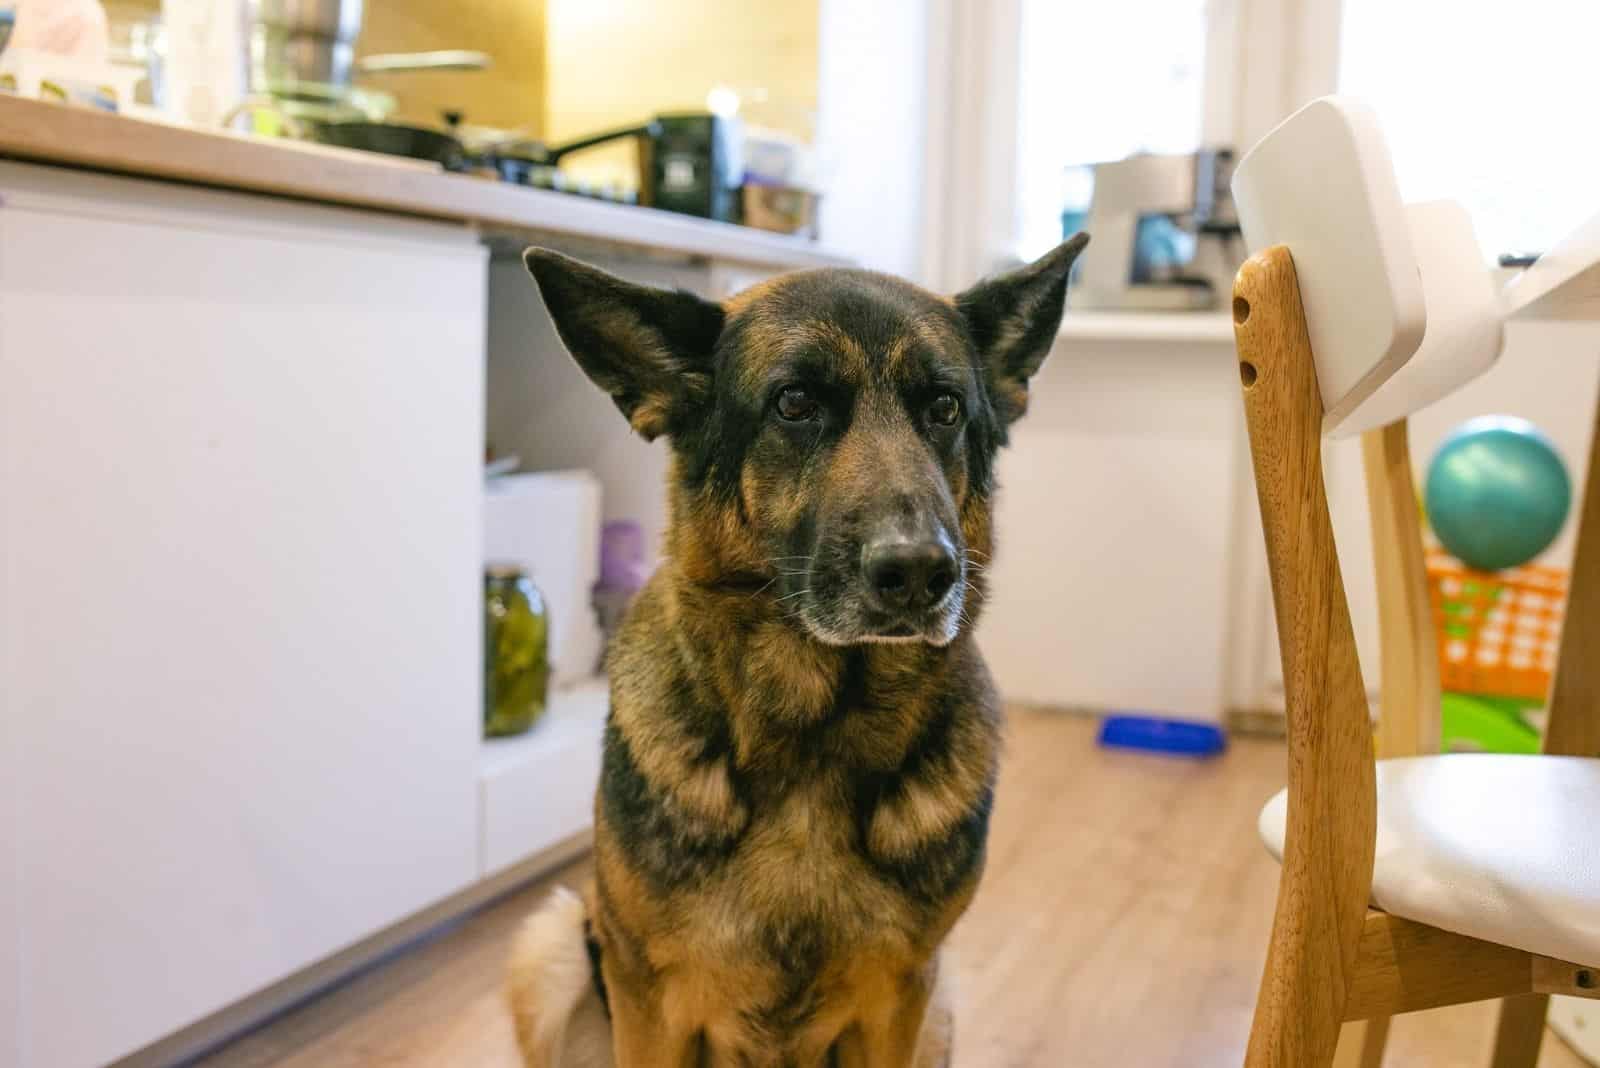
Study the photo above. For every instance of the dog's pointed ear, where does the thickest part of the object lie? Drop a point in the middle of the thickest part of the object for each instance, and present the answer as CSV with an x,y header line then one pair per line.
x,y
649,349
1013,319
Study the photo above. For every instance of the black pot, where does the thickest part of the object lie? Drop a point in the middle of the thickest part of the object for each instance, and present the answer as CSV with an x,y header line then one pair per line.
x,y
396,139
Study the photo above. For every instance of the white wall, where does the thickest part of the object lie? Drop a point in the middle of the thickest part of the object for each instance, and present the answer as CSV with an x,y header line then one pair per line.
x,y
1112,527
870,127
1130,571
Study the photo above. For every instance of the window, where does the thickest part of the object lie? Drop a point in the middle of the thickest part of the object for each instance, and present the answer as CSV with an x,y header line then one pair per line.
x,y
1098,82
1486,103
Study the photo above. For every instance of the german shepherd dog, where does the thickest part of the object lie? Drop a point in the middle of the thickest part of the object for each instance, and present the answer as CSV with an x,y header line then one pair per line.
x,y
800,758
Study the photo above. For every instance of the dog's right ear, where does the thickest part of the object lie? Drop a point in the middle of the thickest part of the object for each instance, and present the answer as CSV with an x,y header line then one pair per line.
x,y
1014,318
650,349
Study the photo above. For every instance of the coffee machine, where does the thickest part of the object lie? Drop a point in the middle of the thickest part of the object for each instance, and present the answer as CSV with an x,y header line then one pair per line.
x,y
1165,234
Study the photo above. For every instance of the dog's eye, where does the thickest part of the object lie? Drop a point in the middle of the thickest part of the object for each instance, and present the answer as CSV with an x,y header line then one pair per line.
x,y
945,409
796,405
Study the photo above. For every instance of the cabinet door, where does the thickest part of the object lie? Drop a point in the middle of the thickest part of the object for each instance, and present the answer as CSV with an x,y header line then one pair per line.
x,y
241,446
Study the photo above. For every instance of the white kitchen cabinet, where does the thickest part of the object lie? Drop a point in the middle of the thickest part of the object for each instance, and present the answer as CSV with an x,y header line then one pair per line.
x,y
240,597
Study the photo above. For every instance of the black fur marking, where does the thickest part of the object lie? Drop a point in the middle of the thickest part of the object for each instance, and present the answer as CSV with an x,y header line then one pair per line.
x,y
799,949
714,454
1032,296
592,946
942,866
695,710
850,698
874,311
660,847
591,309
933,741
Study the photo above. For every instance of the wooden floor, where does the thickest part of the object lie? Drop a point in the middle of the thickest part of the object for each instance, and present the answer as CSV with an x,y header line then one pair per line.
x,y
1122,923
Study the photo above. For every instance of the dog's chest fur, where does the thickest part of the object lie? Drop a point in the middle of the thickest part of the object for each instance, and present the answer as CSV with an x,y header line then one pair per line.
x,y
783,827
797,900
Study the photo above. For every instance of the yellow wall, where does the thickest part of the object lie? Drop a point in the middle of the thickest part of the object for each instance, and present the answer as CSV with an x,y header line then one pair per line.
x,y
615,62
510,94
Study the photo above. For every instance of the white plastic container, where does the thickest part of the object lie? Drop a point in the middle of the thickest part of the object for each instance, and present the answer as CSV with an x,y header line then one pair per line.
x,y
26,72
549,524
205,66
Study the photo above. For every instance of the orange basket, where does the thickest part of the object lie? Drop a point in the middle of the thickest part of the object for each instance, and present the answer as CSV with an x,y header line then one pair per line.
x,y
1498,632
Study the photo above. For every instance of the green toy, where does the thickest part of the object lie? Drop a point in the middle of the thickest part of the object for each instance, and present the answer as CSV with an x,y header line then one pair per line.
x,y
1497,493
1479,724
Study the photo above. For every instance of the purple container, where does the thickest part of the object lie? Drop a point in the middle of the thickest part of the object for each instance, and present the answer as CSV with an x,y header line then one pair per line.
x,y
622,565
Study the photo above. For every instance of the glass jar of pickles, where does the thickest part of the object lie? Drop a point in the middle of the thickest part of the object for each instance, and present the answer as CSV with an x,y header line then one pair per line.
x,y
516,639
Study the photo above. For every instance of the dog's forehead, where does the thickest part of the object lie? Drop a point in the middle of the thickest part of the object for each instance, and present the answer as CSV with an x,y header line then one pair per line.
x,y
857,320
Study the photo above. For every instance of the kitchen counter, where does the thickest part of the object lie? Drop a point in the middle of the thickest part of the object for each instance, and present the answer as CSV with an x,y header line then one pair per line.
x,y
43,132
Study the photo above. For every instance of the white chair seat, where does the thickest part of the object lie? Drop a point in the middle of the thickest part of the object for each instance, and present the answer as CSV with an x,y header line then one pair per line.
x,y
1502,848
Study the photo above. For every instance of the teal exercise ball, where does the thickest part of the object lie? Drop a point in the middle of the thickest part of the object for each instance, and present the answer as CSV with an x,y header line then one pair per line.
x,y
1497,492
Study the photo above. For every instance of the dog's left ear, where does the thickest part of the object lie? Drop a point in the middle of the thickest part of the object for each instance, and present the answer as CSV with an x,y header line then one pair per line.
x,y
650,349
1013,319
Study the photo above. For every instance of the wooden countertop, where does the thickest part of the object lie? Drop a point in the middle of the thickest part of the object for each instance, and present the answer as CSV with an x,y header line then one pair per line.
x,y
79,137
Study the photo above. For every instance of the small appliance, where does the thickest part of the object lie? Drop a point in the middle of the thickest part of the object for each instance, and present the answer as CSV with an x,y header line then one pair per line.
x,y
696,165
1165,234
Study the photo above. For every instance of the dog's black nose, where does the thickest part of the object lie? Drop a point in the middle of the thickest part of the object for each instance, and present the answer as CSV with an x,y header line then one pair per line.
x,y
908,575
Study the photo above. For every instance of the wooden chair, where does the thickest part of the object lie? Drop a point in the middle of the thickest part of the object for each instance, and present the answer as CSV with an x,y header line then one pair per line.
x,y
1416,881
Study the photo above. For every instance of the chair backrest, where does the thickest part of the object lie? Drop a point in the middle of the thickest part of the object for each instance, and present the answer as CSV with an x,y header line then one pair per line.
x,y
1400,311
1400,305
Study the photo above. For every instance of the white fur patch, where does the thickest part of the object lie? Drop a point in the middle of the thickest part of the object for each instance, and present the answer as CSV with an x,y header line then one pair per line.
x,y
560,1021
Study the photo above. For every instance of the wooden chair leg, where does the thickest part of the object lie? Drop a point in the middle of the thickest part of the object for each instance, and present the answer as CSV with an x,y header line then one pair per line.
x,y
1361,1043
1573,730
1520,1031
1574,727
1332,830
1408,704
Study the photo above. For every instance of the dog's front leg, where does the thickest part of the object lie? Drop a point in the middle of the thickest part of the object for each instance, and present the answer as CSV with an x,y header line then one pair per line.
x,y
888,1027
644,1038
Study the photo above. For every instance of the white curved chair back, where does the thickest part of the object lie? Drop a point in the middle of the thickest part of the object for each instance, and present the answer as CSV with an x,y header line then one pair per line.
x,y
1399,303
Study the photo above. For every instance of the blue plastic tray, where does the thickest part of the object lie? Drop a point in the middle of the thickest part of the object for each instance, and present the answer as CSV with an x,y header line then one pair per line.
x,y
1156,735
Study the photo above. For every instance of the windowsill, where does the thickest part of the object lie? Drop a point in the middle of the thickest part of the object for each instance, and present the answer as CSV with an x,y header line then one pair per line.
x,y
1212,327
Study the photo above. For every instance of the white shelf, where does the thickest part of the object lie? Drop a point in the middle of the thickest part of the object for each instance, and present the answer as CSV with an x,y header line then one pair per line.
x,y
1564,283
1160,327
576,711
536,790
